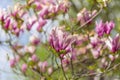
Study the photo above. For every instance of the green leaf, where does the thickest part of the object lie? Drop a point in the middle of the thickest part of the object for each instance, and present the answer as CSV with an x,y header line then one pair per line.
x,y
42,53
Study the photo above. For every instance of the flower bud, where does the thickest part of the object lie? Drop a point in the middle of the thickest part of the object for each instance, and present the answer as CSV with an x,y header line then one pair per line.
x,y
7,24
12,63
50,70
112,58
30,49
38,5
43,66
44,12
34,58
41,23
95,53
24,68
34,40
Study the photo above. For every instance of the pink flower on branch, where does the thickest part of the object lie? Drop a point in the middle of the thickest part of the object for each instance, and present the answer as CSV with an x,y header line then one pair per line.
x,y
60,41
95,41
34,40
43,66
34,57
7,24
12,62
95,53
84,15
24,68
113,43
102,28
41,23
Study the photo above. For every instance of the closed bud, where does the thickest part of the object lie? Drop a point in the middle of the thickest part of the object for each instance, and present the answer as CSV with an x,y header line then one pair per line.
x,y
34,58
12,63
30,49
112,58
24,68
34,40
50,70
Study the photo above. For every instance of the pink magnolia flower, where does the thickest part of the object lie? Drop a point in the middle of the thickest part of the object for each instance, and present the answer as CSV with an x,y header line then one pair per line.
x,y
29,25
112,58
2,18
41,23
109,26
43,65
53,9
102,28
104,63
61,41
24,68
63,7
114,44
95,53
7,24
30,49
38,5
50,70
84,15
44,12
12,62
34,58
95,41
34,40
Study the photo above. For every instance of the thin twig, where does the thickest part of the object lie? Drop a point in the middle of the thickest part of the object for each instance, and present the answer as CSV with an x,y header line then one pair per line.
x,y
63,70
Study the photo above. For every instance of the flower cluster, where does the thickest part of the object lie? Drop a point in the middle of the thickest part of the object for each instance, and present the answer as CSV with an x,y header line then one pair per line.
x,y
104,28
48,8
84,15
68,48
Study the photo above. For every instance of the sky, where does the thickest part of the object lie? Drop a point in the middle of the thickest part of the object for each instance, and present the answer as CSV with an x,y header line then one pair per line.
x,y
6,72
5,3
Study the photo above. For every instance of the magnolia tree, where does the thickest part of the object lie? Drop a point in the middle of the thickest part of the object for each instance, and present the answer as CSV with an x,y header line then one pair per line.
x,y
61,46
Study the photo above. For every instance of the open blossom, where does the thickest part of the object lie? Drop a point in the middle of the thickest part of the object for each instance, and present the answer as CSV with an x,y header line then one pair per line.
x,y
114,44
61,41
50,8
109,26
102,28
